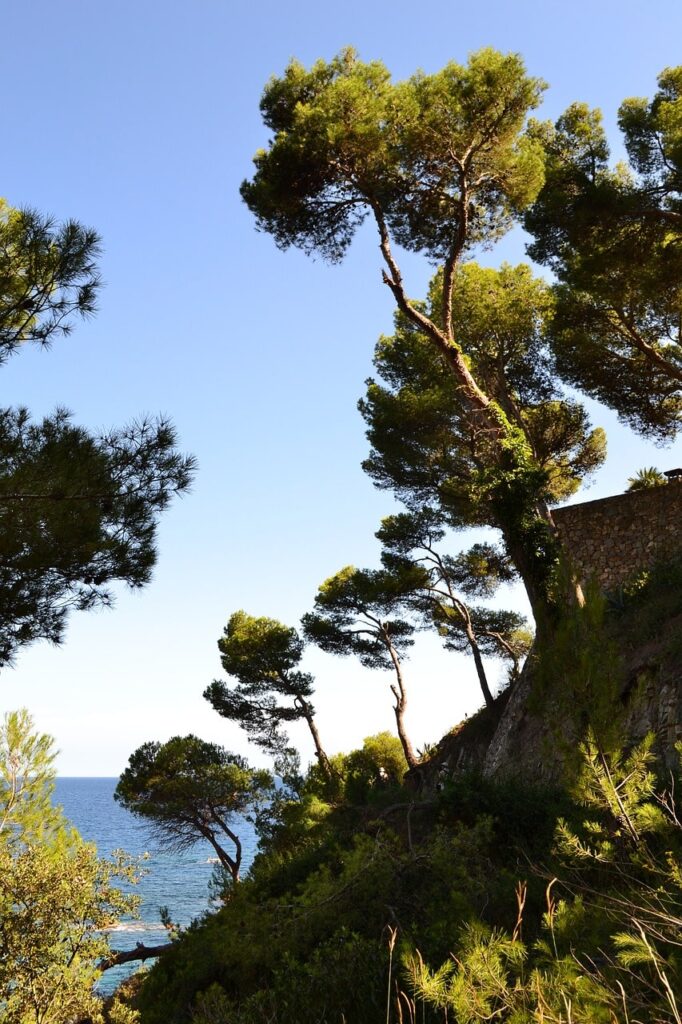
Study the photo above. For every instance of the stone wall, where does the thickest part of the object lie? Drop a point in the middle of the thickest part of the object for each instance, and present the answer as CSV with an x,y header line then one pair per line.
x,y
614,539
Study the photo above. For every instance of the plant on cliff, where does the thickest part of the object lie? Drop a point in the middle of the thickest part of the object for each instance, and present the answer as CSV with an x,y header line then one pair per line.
x,y
411,540
646,478
609,943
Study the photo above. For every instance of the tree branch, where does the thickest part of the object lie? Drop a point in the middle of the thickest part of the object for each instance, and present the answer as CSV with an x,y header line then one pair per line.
x,y
128,956
477,400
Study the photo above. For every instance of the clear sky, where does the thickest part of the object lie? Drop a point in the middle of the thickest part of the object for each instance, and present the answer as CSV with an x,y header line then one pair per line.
x,y
140,119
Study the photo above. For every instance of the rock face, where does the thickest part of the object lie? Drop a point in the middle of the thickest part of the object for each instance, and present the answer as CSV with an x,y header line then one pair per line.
x,y
614,539
534,743
523,736
654,701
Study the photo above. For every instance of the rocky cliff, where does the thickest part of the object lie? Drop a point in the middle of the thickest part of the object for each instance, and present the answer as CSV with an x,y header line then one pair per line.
x,y
632,671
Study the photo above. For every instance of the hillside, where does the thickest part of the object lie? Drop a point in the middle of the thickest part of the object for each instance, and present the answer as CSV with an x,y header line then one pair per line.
x,y
356,881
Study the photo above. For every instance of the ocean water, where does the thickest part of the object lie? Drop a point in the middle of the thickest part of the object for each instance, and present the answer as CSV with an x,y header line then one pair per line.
x,y
179,881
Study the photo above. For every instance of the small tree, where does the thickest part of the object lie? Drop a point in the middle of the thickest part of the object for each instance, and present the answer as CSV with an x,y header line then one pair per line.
x,y
351,617
190,790
410,540
57,897
380,761
262,655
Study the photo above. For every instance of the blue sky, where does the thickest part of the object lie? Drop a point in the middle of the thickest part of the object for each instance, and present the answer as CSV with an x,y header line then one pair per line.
x,y
141,119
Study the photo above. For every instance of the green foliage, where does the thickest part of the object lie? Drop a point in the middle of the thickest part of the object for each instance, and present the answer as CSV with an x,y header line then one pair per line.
x,y
646,478
478,983
609,944
346,142
351,614
410,543
579,678
488,979
381,758
377,768
317,945
612,236
322,981
521,815
594,933
188,790
442,163
622,789
369,777
26,781
77,512
262,655
626,859
645,609
325,889
57,897
48,276
534,447
426,447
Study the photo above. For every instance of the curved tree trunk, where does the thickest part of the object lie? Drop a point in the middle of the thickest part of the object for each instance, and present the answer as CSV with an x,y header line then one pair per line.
x,y
507,649
400,706
478,662
322,758
231,864
463,612
518,514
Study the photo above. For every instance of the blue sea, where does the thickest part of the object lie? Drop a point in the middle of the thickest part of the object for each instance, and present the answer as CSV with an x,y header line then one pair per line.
x,y
179,881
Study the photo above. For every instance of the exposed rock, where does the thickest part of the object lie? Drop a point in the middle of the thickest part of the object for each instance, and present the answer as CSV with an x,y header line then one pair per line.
x,y
530,730
530,736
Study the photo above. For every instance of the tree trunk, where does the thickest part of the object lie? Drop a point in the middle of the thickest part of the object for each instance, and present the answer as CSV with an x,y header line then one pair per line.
x,y
518,514
128,956
400,705
322,758
478,662
233,864
408,749
507,649
230,864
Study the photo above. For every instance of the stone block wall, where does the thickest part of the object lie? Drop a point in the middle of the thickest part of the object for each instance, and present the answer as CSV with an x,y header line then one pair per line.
x,y
614,539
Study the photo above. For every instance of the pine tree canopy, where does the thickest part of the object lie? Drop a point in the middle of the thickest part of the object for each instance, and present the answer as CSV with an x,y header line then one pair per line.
x,y
78,510
613,237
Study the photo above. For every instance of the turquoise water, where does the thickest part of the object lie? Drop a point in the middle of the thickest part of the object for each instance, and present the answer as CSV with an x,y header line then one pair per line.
x,y
179,881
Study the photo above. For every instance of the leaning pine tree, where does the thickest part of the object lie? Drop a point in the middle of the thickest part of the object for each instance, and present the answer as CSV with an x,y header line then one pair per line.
x,y
262,656
359,611
442,164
